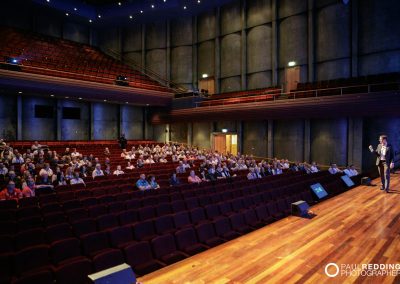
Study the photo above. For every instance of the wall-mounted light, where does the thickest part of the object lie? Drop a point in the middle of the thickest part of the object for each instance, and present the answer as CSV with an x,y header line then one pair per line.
x,y
291,63
204,75
224,130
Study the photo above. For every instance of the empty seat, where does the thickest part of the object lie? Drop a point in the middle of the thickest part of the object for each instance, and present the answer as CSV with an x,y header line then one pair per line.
x,y
164,225
206,235
28,212
192,203
29,238
29,223
250,217
106,222
163,209
71,204
43,276
121,237
146,213
115,207
105,260
187,242
140,258
165,250
212,211
263,214
31,258
197,215
181,220
58,232
127,217
53,219
51,208
144,231
73,272
65,250
238,223
76,214
83,227
95,243
225,208
178,206
274,211
97,210
224,230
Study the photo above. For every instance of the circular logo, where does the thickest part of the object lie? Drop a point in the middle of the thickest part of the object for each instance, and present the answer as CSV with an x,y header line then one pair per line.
x,y
332,274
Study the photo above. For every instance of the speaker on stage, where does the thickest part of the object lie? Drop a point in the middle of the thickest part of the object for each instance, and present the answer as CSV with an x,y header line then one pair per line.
x,y
300,208
120,274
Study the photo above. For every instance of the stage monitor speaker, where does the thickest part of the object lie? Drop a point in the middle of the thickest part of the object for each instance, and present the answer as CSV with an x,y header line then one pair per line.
x,y
319,190
347,180
365,181
300,208
120,274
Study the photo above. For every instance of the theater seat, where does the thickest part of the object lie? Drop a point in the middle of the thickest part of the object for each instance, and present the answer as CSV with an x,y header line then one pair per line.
x,y
165,250
140,258
206,235
224,230
187,242
41,277
73,272
105,260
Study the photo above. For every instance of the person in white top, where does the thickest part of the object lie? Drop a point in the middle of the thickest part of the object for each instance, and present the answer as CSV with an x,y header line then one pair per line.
x,y
76,179
17,159
118,171
351,171
46,170
333,169
97,171
314,168
75,153
130,166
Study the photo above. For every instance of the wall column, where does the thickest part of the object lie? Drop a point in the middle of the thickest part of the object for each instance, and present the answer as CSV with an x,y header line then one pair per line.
x,y
355,142
275,38
354,38
311,40
307,141
58,119
19,117
270,138
91,123
190,133
194,54
243,46
217,71
168,51
143,47
239,128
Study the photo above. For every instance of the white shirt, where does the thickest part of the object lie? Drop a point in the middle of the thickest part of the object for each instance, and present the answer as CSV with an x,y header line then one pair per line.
x,y
97,173
383,152
118,172
76,181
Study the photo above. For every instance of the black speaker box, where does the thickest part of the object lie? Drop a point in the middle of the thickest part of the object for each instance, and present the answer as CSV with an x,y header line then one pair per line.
x,y
300,208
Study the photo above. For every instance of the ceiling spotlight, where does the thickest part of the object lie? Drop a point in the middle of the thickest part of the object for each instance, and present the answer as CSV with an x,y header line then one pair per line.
x,y
19,92
67,97
51,95
119,3
48,1
165,1
90,21
184,7
152,6
75,9
126,102
67,14
99,16
130,17
141,11
291,63
79,98
104,100
198,1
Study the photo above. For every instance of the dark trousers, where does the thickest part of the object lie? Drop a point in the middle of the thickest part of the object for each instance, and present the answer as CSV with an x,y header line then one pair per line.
x,y
384,172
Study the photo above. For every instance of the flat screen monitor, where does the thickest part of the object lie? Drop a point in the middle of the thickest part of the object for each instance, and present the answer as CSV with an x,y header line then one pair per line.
x,y
347,180
319,190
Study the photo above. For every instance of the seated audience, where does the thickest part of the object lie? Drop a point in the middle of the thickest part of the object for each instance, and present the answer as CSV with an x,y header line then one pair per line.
x,y
153,183
29,190
333,169
10,192
180,169
142,183
130,166
46,170
351,171
118,171
107,152
193,178
76,179
97,171
314,168
174,180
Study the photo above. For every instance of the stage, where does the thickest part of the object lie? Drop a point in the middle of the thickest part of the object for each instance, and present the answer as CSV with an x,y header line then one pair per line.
x,y
360,226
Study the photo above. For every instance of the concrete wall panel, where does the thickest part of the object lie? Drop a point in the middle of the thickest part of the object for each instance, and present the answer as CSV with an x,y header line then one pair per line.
x,y
179,132
206,26
8,117
230,54
231,18
132,121
105,121
181,31
333,69
132,38
258,12
201,134
288,8
376,63
156,35
259,80
156,61
230,84
76,32
181,64
259,49
255,138
75,129
288,139
206,58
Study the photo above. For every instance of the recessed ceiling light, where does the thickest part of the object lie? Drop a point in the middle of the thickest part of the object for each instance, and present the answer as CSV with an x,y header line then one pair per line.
x,y
79,98
147,104
198,1
152,5
119,3
67,97
75,9
165,1
104,100
184,7
126,102
141,11
90,21
51,95
99,16
130,17
48,1
20,92
67,14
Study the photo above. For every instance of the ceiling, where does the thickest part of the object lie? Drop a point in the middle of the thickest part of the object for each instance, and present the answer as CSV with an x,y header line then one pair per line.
x,y
128,12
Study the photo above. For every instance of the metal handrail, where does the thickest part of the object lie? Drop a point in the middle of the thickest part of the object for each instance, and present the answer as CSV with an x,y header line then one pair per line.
x,y
292,95
150,73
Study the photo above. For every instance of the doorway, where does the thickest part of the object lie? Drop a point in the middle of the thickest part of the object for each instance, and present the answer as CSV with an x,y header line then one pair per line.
x,y
225,143
292,78
207,84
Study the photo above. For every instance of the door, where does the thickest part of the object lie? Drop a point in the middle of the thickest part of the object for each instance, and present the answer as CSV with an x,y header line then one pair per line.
x,y
224,143
219,143
292,78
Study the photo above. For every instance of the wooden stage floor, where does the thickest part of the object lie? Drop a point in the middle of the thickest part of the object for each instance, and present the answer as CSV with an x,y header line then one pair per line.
x,y
360,226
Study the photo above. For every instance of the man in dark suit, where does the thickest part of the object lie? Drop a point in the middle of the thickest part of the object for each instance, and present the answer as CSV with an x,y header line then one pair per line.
x,y
384,160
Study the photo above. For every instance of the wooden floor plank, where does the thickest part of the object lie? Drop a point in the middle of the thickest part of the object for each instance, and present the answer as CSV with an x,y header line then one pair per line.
x,y
359,226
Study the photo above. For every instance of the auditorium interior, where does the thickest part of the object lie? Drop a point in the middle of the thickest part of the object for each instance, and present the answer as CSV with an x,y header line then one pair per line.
x,y
199,141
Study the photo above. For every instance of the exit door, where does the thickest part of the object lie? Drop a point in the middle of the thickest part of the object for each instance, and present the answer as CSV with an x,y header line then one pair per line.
x,y
225,143
292,78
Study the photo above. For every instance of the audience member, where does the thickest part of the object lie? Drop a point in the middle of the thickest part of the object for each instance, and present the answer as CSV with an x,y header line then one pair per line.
x,y
174,180
10,192
142,183
193,178
76,179
97,171
118,171
153,183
